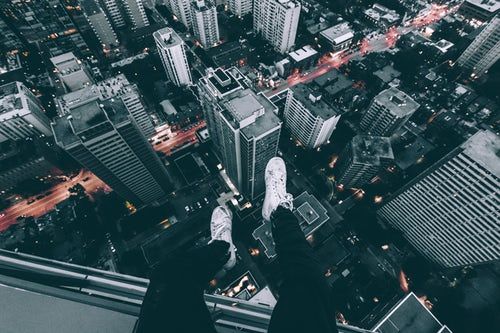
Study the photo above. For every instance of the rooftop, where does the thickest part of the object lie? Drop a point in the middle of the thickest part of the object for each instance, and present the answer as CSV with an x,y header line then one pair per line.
x,y
302,53
223,81
491,6
167,37
372,150
9,97
90,7
338,33
398,102
484,148
318,107
66,63
387,74
378,12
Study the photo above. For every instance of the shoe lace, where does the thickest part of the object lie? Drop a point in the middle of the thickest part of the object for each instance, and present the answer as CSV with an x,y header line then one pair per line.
x,y
279,188
220,229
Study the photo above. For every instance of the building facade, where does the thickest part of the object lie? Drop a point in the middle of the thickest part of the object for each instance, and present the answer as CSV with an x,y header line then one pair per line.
x,y
240,8
205,24
21,113
310,120
114,12
276,21
100,24
362,158
102,137
388,112
173,56
450,213
134,11
484,50
182,10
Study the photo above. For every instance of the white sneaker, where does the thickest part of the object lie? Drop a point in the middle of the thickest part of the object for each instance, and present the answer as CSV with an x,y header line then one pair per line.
x,y
276,194
220,228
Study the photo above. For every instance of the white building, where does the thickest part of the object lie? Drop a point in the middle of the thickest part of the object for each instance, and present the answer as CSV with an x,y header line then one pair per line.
x,y
277,21
21,114
115,87
339,37
182,10
450,213
173,56
102,136
112,8
205,24
134,9
71,71
310,120
243,126
240,8
484,50
99,23
388,112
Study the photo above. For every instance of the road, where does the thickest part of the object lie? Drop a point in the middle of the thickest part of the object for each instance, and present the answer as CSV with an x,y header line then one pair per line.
x,y
377,43
92,183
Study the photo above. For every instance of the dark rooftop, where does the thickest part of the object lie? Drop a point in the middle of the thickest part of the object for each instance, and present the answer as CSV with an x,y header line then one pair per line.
x,y
319,108
372,150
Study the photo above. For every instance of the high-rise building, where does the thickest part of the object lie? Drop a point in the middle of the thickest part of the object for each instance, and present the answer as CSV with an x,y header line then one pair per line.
x,y
99,23
173,56
205,24
362,158
484,50
135,13
240,8
112,8
276,21
8,39
449,213
311,120
182,10
388,112
21,113
114,87
71,71
246,128
102,136
482,10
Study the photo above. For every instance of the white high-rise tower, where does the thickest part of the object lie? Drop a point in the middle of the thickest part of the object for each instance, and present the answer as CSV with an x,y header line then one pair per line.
x,y
173,56
205,24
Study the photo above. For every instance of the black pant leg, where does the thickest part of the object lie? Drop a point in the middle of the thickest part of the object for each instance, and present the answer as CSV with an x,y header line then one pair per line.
x,y
174,300
304,303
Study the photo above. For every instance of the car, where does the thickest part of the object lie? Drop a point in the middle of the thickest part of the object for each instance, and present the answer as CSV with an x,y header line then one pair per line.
x,y
2,215
30,201
41,196
187,209
85,179
206,200
47,193
198,204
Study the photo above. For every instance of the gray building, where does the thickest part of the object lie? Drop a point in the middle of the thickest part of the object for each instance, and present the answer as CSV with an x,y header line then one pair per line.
x,y
205,24
105,139
484,50
99,23
388,112
244,127
362,158
172,52
310,120
450,213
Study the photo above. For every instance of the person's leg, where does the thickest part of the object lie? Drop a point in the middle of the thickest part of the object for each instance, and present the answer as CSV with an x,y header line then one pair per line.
x,y
174,300
304,303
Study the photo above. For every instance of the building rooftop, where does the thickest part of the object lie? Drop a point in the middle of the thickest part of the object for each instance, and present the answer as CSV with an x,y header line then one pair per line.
x,y
491,6
167,37
378,12
9,62
310,97
398,102
387,74
90,7
9,97
413,152
371,150
223,81
66,63
410,316
484,148
303,53
338,33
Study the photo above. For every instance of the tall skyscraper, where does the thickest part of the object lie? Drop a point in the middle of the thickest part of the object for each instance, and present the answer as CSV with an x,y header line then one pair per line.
x,y
450,213
134,10
240,8
102,136
484,50
277,21
99,23
245,125
112,8
71,71
21,114
114,87
388,112
205,24
362,158
310,120
173,56
182,10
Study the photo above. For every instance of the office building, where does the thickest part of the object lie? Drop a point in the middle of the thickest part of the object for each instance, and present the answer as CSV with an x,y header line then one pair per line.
x,y
484,50
71,71
411,316
240,8
205,25
388,112
337,38
102,136
310,120
114,12
362,158
114,87
135,14
449,213
182,10
99,23
276,21
173,56
243,126
21,113
482,10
